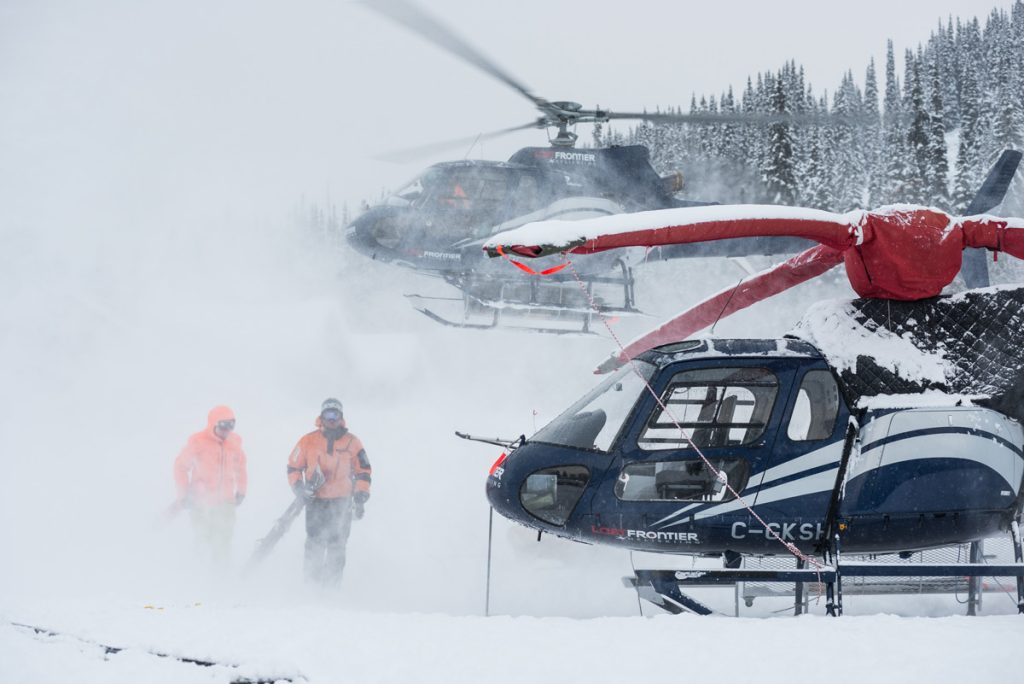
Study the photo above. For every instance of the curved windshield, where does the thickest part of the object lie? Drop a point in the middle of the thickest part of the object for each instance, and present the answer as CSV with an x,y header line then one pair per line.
x,y
465,200
422,189
594,421
408,193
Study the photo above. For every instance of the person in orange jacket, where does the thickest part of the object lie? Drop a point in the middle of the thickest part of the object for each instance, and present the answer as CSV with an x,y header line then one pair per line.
x,y
330,470
211,479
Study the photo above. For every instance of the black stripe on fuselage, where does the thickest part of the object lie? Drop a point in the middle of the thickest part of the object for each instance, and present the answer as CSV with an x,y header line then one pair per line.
x,y
925,432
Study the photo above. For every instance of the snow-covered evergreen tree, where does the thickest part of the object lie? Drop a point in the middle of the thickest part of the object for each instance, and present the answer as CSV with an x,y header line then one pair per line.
x,y
918,130
894,137
936,169
968,177
871,139
849,177
778,169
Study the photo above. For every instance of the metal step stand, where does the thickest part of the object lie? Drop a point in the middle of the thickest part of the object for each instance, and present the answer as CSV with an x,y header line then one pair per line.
x,y
834,588
798,602
974,583
1018,557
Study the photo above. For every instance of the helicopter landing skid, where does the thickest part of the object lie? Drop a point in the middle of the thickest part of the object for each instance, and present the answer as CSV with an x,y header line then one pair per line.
x,y
660,588
663,588
559,305
480,314
418,303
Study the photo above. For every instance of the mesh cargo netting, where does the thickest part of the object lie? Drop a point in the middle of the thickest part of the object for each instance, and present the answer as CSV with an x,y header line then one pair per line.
x,y
969,344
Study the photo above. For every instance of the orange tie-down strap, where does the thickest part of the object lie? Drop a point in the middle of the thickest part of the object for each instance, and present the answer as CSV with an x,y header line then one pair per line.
x,y
524,267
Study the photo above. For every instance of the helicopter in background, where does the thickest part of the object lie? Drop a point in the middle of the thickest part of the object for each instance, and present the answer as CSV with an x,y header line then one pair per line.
x,y
436,223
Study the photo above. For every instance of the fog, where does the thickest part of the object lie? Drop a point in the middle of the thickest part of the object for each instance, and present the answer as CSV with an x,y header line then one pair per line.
x,y
151,163
120,339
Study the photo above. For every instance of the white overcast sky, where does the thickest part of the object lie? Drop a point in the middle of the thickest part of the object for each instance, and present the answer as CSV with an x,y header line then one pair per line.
x,y
163,105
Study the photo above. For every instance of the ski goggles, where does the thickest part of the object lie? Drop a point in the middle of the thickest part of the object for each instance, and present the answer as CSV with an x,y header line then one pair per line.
x,y
226,424
331,415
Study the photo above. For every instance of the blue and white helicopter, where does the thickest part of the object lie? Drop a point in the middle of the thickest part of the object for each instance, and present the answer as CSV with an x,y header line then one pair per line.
x,y
878,426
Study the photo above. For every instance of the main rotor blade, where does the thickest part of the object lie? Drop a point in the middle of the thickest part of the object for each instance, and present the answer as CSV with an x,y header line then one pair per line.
x,y
698,117
721,117
682,225
410,154
418,21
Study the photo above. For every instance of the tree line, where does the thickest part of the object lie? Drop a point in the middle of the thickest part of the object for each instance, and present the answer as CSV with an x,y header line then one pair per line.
x,y
926,136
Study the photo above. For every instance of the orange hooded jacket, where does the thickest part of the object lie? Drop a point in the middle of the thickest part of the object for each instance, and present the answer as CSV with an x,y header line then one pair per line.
x,y
345,469
211,470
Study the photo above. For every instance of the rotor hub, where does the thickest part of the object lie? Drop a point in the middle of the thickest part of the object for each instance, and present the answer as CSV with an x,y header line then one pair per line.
x,y
567,106
564,138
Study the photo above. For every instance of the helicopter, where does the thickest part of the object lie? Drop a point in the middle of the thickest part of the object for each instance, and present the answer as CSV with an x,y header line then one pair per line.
x,y
885,424
436,223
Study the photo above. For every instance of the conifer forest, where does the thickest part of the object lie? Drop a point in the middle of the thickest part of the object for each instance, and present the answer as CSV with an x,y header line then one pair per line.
x,y
924,134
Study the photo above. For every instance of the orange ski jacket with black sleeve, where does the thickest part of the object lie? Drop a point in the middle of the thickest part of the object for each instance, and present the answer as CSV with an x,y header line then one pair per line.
x,y
211,470
345,467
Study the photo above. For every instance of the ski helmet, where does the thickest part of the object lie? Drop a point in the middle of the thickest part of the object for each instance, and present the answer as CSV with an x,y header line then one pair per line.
x,y
331,404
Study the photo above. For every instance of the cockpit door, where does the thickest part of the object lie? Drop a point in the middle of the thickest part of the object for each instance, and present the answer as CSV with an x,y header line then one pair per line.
x,y
796,484
730,411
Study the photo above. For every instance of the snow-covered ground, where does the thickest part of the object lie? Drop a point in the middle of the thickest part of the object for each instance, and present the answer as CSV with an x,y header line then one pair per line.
x,y
332,644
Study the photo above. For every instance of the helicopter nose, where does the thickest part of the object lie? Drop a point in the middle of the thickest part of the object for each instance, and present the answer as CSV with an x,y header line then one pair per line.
x,y
537,497
377,230
500,495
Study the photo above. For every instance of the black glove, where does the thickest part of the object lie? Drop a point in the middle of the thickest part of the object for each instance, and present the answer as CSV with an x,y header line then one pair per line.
x,y
239,498
302,492
358,511
361,497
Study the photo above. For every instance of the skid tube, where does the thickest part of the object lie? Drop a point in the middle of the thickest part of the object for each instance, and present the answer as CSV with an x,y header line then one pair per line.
x,y
664,588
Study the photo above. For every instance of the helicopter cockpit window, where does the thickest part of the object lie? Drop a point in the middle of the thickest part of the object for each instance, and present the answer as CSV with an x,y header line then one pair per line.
x,y
466,201
411,191
528,196
594,421
689,480
473,189
816,409
552,493
712,407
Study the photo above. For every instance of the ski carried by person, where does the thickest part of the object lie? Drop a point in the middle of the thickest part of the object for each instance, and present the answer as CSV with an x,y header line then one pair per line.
x,y
304,493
